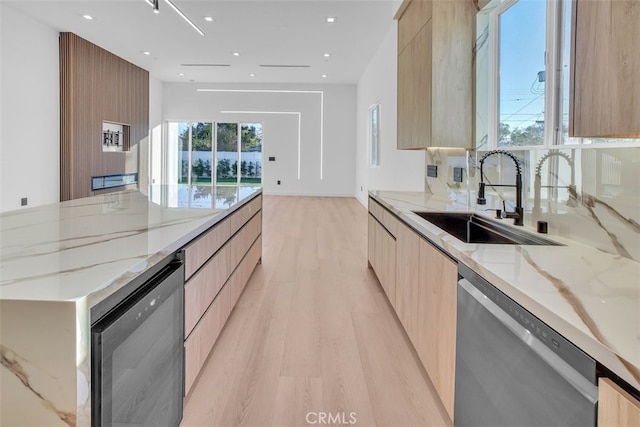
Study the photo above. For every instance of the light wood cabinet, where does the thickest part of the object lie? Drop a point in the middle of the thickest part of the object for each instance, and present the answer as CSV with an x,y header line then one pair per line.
x,y
221,262
408,280
605,58
414,16
437,320
435,74
382,257
423,294
616,407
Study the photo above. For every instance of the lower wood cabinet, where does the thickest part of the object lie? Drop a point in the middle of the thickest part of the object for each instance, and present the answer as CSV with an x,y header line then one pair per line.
x,y
616,407
217,279
437,320
422,292
382,257
408,280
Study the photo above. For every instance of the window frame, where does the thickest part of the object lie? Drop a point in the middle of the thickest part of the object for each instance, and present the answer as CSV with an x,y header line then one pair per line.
x,y
374,162
554,80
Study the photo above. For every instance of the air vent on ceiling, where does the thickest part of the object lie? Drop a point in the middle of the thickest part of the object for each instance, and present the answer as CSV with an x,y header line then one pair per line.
x,y
206,65
284,66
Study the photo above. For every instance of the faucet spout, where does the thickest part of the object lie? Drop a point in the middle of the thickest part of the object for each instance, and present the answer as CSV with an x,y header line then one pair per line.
x,y
518,212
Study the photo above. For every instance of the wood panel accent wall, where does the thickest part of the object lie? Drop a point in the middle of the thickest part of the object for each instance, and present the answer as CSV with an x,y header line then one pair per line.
x,y
97,86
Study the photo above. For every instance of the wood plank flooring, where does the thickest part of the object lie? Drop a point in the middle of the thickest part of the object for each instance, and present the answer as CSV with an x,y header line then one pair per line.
x,y
313,333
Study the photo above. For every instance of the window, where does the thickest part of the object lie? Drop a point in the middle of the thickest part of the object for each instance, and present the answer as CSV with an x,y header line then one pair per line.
x,y
522,75
374,135
219,154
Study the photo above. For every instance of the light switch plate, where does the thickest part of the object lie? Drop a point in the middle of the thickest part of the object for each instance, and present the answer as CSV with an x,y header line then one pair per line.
x,y
432,171
458,174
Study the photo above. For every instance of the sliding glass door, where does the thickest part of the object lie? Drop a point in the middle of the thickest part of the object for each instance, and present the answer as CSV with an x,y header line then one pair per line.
x,y
239,154
196,158
227,154
251,153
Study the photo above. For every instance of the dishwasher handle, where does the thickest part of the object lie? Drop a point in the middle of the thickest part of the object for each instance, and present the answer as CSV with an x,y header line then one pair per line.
x,y
559,365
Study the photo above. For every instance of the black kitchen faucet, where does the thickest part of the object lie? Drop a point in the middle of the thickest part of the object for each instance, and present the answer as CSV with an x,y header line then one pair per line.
x,y
518,213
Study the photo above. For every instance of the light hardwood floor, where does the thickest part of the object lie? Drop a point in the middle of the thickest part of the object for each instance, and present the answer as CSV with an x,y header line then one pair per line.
x,y
313,332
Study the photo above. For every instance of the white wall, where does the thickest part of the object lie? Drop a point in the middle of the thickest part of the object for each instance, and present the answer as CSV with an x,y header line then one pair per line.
x,y
398,170
326,163
29,111
150,168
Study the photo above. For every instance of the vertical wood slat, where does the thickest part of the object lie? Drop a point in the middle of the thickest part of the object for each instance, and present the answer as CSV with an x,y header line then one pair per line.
x,y
97,86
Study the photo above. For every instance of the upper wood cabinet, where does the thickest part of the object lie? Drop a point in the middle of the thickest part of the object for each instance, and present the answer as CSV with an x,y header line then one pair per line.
x,y
605,59
616,407
435,73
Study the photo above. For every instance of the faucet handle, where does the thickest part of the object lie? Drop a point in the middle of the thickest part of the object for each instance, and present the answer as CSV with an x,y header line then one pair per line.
x,y
481,199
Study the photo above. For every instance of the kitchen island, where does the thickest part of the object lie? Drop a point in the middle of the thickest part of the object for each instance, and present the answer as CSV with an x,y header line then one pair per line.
x,y
588,296
59,261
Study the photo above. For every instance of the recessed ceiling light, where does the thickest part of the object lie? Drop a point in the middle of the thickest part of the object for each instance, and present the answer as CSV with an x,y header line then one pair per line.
x,y
332,19
236,53
181,74
146,52
326,55
208,18
324,76
252,75
87,17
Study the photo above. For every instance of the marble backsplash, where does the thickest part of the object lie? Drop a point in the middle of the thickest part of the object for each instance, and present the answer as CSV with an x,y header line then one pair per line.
x,y
590,195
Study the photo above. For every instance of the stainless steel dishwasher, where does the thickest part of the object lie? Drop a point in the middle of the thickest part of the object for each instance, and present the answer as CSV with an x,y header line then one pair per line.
x,y
514,370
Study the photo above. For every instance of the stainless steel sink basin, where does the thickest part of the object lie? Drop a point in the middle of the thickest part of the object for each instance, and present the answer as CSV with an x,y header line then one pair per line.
x,y
472,228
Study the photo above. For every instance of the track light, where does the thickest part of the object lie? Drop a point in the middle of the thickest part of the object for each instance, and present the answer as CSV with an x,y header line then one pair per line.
x,y
156,9
185,17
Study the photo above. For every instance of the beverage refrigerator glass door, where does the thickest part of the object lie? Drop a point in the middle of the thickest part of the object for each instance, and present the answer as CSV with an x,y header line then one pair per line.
x,y
138,356
514,370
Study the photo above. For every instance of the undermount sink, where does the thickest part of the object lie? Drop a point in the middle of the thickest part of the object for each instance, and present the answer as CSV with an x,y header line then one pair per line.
x,y
472,228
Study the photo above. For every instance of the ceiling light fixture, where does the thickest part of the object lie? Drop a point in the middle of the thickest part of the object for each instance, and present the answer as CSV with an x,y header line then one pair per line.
x,y
183,16
326,55
252,75
181,74
156,6
324,76
331,19
236,53
208,19
88,17
146,52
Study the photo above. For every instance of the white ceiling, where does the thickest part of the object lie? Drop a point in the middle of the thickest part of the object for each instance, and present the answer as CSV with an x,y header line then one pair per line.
x,y
265,32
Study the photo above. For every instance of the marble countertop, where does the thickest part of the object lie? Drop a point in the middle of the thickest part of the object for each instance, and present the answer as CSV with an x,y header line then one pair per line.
x,y
590,297
91,247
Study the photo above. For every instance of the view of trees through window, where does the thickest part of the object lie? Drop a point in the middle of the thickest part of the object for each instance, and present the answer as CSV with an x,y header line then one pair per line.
x,y
231,163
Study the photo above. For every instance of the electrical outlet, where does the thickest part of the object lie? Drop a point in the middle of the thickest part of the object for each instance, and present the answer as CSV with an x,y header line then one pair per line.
x,y
272,158
432,171
278,182
23,201
458,174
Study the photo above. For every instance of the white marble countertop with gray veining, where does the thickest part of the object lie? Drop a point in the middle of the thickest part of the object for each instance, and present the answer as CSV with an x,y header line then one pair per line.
x,y
590,297
91,247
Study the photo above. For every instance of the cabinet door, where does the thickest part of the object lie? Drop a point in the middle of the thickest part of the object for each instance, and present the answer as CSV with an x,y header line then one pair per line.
x,y
414,92
616,408
452,40
382,257
437,320
405,99
416,14
421,75
605,89
407,280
